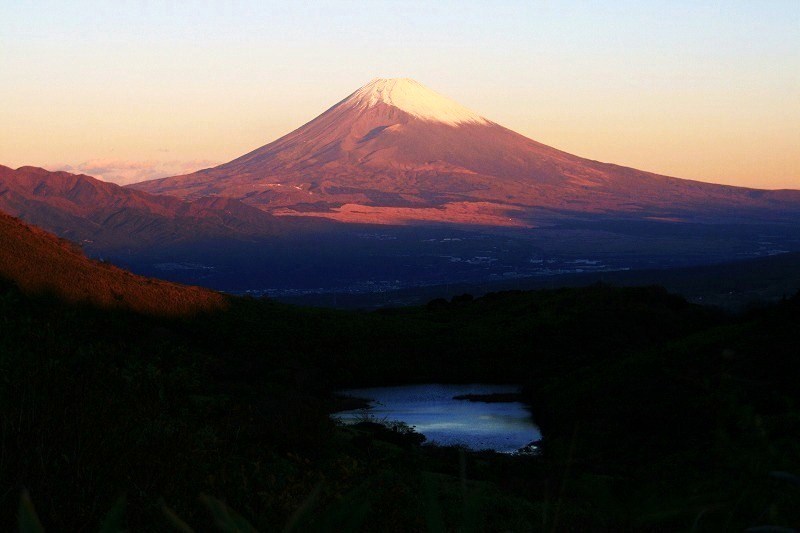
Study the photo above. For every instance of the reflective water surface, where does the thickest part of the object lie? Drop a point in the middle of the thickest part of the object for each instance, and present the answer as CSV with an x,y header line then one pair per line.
x,y
431,409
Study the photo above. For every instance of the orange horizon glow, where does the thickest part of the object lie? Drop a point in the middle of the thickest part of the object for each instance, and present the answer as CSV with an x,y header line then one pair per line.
x,y
143,91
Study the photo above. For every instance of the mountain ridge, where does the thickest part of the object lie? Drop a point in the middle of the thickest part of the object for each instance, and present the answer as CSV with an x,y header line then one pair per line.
x,y
380,159
94,212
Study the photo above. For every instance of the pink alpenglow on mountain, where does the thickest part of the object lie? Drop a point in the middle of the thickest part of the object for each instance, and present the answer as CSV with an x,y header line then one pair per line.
x,y
97,213
396,152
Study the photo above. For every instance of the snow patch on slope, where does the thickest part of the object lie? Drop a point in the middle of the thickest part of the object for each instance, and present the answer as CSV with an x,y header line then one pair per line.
x,y
413,98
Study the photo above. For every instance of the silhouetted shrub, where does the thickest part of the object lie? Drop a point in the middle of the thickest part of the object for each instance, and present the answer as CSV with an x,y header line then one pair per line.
x,y
437,304
462,299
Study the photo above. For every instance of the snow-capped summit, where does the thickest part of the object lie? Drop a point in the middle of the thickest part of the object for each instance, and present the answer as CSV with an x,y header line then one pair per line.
x,y
395,151
415,99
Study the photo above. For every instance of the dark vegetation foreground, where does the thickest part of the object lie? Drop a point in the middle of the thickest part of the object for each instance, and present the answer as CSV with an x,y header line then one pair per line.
x,y
656,415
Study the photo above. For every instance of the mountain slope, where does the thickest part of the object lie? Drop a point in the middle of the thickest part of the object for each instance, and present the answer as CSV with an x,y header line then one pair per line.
x,y
105,215
40,263
395,151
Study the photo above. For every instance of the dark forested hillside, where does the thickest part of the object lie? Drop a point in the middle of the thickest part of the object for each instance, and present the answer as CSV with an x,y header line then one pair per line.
x,y
656,414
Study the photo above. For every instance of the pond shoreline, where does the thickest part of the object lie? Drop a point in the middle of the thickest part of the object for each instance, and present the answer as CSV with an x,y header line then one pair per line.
x,y
477,416
340,402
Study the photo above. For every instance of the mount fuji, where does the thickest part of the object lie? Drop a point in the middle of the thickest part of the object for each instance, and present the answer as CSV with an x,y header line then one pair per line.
x,y
395,152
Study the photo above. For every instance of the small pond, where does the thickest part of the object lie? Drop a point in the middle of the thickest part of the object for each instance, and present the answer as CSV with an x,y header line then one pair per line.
x,y
503,426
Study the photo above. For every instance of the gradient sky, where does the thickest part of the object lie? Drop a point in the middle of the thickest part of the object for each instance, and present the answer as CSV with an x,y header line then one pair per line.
x,y
130,90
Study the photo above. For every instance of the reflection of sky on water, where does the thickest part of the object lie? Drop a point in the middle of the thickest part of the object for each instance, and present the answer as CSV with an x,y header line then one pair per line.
x,y
432,410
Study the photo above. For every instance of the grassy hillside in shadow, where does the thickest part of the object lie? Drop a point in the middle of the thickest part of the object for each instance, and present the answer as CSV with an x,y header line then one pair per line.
x,y
39,263
656,414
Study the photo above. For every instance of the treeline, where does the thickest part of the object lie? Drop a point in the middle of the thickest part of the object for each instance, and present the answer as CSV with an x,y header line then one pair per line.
x,y
656,414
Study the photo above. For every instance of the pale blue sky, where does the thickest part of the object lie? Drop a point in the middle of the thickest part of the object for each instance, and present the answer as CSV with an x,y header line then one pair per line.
x,y
705,90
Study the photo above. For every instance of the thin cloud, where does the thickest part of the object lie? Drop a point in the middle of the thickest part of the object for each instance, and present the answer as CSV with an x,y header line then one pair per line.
x,y
123,172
